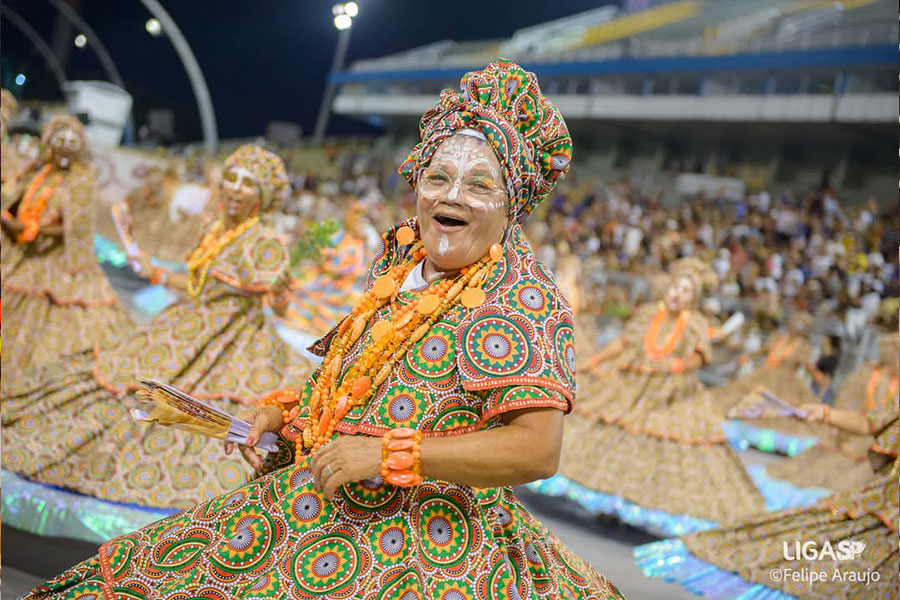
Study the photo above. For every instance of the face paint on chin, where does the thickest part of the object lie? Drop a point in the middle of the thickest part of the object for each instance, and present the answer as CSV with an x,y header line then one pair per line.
x,y
444,245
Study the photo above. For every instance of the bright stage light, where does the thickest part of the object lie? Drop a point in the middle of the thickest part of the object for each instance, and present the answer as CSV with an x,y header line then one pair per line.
x,y
153,27
343,21
21,79
351,9
80,40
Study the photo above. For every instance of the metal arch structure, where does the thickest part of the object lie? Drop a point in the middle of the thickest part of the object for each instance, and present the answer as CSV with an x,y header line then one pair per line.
x,y
38,42
99,49
194,72
94,40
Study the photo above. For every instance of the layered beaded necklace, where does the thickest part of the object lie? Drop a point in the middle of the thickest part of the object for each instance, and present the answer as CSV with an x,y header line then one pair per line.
x,y
389,338
651,339
34,204
202,257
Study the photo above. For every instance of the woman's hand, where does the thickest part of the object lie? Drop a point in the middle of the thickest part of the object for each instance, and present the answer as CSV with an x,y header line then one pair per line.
x,y
263,419
815,412
146,266
348,458
14,225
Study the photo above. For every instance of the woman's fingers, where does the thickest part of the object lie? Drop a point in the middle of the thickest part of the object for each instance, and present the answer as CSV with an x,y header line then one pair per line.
x,y
251,457
332,482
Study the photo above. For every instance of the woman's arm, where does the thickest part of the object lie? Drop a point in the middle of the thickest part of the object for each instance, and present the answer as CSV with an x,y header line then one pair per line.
x,y
608,352
848,420
525,448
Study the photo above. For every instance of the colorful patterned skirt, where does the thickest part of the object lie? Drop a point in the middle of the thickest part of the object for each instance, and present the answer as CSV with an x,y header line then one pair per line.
x,y
277,537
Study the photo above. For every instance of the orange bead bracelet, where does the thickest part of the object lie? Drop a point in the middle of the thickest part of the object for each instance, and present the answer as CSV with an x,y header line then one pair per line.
x,y
400,457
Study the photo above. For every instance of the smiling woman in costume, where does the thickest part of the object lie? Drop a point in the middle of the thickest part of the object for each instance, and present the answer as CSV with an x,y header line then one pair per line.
x,y
454,369
215,344
56,299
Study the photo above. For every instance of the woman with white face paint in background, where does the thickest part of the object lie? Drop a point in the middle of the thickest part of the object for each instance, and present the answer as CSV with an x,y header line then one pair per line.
x,y
216,343
56,299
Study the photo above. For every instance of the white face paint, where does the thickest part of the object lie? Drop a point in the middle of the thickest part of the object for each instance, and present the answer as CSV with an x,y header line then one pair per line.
x,y
456,154
237,177
240,191
65,144
444,245
66,138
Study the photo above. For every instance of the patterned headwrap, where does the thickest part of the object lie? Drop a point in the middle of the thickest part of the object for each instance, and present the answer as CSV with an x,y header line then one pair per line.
x,y
268,168
698,271
58,122
527,132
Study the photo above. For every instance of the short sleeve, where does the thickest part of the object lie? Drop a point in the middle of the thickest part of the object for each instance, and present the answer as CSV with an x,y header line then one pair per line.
x,y
511,398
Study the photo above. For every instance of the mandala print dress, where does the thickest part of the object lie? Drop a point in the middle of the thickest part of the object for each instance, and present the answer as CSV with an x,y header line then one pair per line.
x,y
637,435
56,299
68,423
741,557
277,537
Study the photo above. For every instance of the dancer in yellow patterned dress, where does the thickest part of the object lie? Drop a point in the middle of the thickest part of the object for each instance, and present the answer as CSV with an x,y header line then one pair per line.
x,y
56,299
840,461
644,426
68,424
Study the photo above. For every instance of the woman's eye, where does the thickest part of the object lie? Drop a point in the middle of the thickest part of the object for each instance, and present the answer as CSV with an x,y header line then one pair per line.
x,y
437,178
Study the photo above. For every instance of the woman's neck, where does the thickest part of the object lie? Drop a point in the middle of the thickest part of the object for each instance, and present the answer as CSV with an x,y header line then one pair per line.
x,y
431,273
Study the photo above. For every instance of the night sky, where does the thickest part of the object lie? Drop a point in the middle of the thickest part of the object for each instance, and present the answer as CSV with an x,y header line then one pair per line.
x,y
263,59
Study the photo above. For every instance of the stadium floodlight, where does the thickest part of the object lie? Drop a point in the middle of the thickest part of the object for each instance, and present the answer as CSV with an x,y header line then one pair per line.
x,y
80,40
351,9
153,27
343,21
21,79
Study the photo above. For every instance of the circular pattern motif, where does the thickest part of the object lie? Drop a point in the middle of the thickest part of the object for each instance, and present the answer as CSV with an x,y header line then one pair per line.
x,y
326,565
249,538
564,341
434,357
496,346
445,528
531,300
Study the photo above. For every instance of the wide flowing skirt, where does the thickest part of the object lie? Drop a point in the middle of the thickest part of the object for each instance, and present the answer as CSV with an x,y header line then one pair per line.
x,y
277,537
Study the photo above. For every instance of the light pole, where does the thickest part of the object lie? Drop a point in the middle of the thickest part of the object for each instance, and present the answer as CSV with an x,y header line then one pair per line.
x,y
343,21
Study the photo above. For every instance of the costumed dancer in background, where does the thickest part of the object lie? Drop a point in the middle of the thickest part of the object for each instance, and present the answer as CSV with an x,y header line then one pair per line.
x,y
644,426
14,166
446,384
786,374
762,557
56,299
839,462
68,425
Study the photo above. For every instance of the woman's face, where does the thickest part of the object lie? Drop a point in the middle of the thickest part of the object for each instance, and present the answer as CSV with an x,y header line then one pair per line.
x,y
65,147
680,295
240,193
461,203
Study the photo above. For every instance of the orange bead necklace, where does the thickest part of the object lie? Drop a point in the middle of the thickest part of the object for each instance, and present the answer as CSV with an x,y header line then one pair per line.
x,y
390,338
874,379
651,339
33,204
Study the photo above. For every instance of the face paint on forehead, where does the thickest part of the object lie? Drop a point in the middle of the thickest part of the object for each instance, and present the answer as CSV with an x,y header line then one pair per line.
x,y
240,174
67,138
465,153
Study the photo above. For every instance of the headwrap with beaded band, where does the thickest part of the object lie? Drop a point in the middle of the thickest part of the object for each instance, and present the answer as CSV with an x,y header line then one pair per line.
x,y
268,168
527,132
